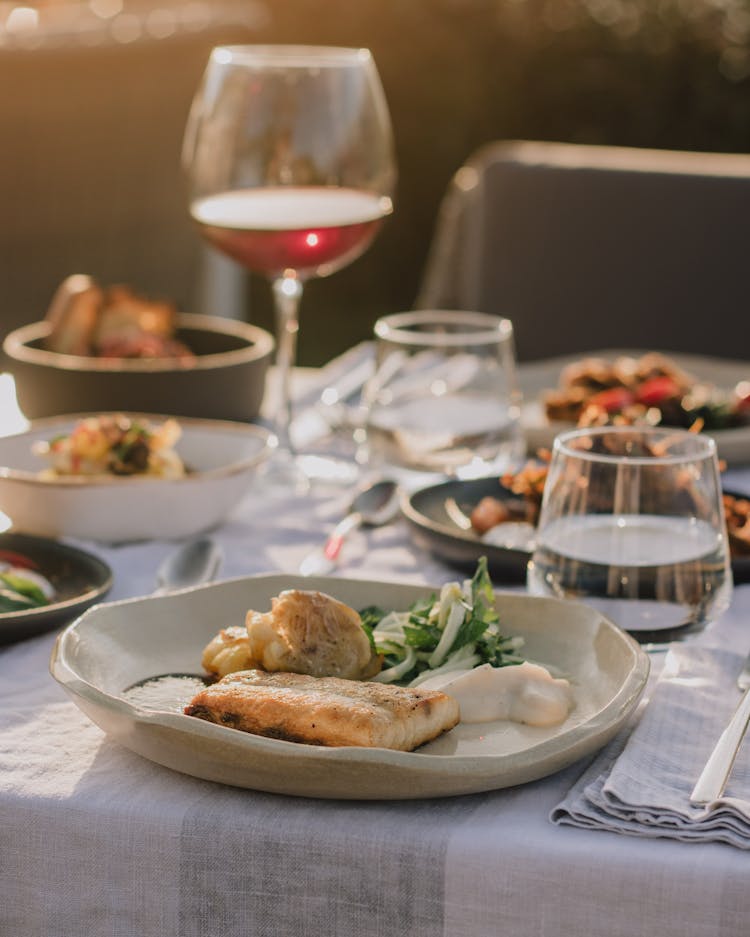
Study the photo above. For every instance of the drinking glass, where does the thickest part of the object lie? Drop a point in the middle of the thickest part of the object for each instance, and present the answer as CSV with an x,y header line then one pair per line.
x,y
289,157
632,522
444,396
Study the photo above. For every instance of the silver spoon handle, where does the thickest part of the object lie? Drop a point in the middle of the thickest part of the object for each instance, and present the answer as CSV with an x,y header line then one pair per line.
x,y
323,560
713,779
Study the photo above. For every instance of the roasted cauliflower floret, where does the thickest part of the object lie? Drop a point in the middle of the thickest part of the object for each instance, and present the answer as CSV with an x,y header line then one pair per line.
x,y
311,633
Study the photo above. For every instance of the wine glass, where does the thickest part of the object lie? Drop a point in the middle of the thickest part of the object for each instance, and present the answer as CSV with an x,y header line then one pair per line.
x,y
289,157
632,522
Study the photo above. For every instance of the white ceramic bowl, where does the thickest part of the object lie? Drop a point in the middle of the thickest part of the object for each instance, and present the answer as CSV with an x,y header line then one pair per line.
x,y
223,459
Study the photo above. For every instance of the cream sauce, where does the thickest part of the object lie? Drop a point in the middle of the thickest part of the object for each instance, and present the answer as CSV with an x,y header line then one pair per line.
x,y
525,693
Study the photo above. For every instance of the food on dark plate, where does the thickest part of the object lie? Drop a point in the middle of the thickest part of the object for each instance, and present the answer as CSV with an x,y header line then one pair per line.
x,y
112,322
22,586
651,389
326,710
737,513
528,486
114,444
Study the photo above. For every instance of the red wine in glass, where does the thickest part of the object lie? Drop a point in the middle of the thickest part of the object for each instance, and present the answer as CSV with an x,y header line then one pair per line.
x,y
289,157
312,230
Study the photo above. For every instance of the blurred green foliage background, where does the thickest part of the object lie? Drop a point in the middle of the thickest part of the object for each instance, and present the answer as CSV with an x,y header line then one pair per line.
x,y
457,73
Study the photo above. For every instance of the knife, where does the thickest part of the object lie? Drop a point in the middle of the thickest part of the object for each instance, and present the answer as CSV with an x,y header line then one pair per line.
x,y
710,785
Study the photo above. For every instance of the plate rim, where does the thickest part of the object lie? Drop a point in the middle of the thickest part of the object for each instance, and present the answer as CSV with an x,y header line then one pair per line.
x,y
259,347
264,436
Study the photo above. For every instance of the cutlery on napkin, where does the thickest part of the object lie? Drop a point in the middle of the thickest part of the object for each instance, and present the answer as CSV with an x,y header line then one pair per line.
x,y
641,783
710,785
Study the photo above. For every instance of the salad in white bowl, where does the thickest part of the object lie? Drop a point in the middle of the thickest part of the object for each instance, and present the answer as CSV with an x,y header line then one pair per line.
x,y
119,477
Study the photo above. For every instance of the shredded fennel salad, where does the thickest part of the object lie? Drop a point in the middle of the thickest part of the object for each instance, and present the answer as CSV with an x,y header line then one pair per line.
x,y
455,630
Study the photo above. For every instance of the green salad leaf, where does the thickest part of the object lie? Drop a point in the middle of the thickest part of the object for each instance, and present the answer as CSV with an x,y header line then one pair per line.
x,y
19,593
12,601
457,629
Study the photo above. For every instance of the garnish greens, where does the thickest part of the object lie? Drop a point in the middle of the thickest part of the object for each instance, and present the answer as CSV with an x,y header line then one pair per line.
x,y
19,593
455,630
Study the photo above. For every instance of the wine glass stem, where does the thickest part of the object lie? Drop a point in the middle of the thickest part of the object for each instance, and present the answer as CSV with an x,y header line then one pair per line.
x,y
287,292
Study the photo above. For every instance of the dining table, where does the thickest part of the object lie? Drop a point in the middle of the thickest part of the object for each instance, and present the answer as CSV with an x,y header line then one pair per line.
x,y
96,840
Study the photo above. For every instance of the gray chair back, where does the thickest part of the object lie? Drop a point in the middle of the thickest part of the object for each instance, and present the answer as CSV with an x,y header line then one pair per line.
x,y
589,247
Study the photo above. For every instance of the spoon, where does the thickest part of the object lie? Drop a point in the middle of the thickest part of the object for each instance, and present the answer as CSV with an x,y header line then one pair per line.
x,y
372,506
193,563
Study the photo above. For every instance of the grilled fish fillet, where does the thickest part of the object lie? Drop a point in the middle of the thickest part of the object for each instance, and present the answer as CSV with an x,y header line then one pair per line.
x,y
326,710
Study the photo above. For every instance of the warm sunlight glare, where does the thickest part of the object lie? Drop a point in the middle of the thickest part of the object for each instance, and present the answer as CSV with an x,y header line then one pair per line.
x,y
22,19
11,418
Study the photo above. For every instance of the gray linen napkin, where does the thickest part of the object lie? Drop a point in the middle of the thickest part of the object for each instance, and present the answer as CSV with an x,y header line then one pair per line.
x,y
640,784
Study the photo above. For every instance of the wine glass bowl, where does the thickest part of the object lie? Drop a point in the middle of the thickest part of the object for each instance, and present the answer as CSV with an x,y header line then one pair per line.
x,y
308,247
632,522
288,152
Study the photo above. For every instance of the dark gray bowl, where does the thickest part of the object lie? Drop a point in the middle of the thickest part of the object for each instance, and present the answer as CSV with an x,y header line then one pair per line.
x,y
80,579
226,381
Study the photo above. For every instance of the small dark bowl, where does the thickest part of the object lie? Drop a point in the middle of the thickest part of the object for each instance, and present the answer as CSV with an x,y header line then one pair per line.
x,y
226,380
80,579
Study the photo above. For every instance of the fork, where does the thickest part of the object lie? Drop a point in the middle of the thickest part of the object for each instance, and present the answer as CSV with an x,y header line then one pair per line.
x,y
710,785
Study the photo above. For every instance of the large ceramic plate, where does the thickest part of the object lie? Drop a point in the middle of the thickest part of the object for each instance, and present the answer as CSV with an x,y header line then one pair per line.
x,y
539,376
79,579
222,457
437,514
113,646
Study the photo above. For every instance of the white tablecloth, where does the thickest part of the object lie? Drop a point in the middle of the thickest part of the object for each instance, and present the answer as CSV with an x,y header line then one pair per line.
x,y
94,840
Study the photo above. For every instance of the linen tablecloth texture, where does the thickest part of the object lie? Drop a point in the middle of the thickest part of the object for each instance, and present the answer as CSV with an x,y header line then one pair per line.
x,y
96,841
641,783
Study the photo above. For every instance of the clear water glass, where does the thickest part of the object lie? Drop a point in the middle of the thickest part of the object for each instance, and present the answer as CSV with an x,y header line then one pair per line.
x,y
444,395
632,523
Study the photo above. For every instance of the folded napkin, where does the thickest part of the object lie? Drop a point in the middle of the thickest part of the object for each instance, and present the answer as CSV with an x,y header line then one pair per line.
x,y
641,783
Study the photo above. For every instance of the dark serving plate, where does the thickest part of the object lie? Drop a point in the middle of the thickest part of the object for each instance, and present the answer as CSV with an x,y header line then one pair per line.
x,y
80,579
435,529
